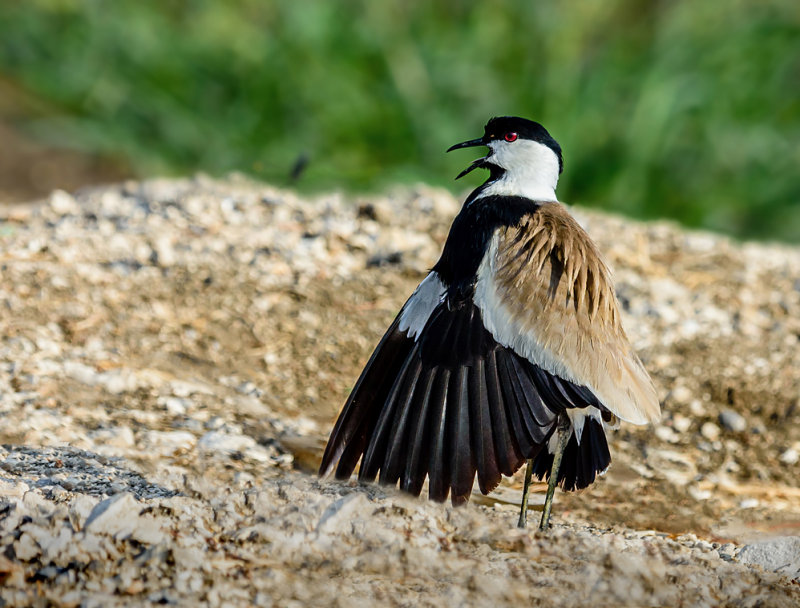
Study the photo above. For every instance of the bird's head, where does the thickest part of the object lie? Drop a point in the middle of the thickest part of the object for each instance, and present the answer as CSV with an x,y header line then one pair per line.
x,y
523,157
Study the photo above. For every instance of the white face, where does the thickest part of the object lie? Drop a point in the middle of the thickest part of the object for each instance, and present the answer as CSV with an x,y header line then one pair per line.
x,y
531,169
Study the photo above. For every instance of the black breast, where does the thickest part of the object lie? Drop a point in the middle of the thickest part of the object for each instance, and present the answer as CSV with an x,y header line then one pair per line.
x,y
469,238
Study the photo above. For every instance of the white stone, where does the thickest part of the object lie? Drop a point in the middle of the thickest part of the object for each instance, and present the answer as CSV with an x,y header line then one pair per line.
x,y
118,381
340,513
217,441
26,548
681,394
181,388
63,203
81,372
697,409
710,431
681,423
116,516
176,406
170,441
12,489
149,530
780,554
118,437
80,508
790,456
55,544
665,433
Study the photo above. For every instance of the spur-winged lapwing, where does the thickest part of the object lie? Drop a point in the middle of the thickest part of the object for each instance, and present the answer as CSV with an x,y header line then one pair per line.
x,y
510,350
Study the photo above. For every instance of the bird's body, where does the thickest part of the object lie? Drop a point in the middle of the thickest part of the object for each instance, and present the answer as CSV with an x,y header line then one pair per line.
x,y
514,334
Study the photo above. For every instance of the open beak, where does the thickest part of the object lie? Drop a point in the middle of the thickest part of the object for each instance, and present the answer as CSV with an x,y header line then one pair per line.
x,y
467,144
476,164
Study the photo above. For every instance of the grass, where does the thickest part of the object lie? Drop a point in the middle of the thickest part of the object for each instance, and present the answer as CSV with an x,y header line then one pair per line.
x,y
664,109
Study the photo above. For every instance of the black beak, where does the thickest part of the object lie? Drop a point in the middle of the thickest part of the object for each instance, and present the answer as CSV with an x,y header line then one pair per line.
x,y
468,144
476,164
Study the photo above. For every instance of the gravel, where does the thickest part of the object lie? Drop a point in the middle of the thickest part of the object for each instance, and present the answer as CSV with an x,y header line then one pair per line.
x,y
175,351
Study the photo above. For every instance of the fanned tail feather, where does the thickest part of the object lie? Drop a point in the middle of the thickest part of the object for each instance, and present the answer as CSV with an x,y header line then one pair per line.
x,y
580,463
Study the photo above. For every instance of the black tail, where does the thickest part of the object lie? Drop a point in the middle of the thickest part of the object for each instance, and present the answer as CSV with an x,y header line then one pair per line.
x,y
581,462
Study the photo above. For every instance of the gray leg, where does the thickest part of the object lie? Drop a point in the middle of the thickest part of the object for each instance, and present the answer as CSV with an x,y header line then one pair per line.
x,y
563,432
523,514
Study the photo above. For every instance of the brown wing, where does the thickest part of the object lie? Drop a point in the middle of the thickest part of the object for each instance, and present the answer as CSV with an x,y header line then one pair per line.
x,y
545,291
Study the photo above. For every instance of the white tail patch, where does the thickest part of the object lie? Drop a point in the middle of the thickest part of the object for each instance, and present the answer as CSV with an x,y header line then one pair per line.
x,y
578,418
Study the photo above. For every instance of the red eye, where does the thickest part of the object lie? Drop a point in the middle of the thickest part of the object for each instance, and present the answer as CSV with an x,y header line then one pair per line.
x,y
510,137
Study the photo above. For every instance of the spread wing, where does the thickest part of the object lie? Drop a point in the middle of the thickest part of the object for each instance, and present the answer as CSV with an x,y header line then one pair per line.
x,y
544,291
441,399
445,405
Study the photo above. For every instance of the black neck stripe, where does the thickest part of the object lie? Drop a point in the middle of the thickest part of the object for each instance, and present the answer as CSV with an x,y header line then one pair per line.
x,y
469,239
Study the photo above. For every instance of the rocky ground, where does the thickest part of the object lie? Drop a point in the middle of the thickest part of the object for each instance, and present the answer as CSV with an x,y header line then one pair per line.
x,y
174,353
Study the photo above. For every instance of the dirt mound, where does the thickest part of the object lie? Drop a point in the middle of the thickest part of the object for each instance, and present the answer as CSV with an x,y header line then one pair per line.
x,y
175,352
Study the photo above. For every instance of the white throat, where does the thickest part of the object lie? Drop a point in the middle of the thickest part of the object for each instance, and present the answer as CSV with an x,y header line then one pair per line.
x,y
531,170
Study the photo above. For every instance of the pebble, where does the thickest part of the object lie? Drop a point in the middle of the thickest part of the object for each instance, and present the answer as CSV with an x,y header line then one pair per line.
x,y
169,441
727,551
698,494
80,509
63,203
710,431
120,437
340,514
732,421
116,516
176,406
697,409
26,548
681,423
790,456
215,441
665,433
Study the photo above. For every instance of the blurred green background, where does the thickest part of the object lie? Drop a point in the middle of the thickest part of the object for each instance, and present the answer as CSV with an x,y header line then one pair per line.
x,y
685,109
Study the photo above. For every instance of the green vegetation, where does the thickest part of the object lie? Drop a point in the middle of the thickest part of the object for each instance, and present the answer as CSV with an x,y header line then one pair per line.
x,y
684,109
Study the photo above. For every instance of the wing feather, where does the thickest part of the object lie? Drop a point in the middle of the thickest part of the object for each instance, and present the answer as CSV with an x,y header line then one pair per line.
x,y
417,462
407,410
536,413
520,425
353,427
403,383
438,469
462,468
560,312
482,430
509,454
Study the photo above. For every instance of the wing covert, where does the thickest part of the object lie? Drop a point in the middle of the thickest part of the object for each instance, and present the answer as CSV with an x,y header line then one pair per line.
x,y
544,290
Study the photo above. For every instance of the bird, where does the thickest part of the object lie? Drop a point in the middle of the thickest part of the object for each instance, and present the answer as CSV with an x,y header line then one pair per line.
x,y
510,351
